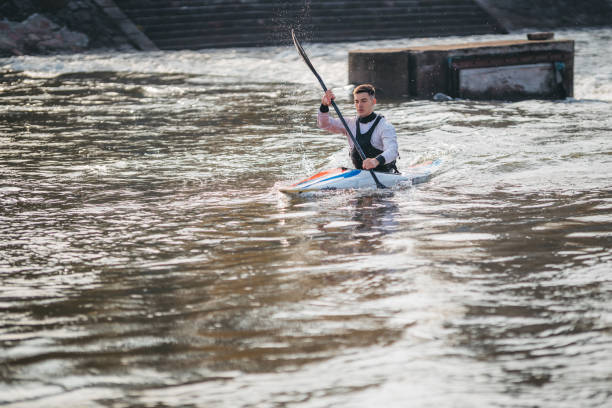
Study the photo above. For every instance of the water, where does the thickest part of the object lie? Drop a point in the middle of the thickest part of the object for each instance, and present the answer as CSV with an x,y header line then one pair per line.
x,y
147,259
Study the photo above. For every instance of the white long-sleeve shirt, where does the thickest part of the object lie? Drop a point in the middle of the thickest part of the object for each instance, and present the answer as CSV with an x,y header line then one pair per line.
x,y
383,138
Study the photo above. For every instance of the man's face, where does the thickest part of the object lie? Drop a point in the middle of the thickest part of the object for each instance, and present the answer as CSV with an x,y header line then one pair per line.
x,y
364,104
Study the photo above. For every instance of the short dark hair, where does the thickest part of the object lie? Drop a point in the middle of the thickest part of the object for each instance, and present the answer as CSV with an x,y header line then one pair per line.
x,y
365,88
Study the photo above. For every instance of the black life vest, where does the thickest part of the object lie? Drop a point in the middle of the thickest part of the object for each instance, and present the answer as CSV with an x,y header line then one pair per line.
x,y
370,151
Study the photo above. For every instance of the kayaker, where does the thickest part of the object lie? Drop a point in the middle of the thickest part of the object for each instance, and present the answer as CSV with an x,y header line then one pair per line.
x,y
375,135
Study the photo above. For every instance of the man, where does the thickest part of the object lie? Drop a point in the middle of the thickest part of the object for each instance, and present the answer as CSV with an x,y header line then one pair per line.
x,y
374,134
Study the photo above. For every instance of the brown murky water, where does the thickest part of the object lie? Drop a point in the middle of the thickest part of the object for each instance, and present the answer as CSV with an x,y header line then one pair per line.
x,y
147,259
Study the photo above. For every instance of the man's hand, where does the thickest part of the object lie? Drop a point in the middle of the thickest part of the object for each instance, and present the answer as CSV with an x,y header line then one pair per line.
x,y
328,98
369,164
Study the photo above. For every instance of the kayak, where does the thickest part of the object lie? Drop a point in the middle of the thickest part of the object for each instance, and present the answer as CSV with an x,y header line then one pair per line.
x,y
343,178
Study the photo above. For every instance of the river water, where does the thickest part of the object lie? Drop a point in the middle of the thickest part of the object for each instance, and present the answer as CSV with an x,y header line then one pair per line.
x,y
148,260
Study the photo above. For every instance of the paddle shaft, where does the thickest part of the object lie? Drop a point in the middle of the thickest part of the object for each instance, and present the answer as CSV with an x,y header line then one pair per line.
x,y
348,130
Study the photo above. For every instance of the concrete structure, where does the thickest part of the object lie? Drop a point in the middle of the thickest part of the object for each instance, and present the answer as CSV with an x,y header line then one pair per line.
x,y
197,24
490,70
128,28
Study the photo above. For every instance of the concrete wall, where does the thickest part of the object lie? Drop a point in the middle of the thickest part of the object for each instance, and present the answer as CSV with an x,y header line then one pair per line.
x,y
512,69
196,24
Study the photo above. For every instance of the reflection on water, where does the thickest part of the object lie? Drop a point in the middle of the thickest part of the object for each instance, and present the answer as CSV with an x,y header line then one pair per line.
x,y
147,259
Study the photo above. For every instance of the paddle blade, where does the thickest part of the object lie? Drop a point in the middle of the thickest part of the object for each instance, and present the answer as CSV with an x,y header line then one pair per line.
x,y
304,56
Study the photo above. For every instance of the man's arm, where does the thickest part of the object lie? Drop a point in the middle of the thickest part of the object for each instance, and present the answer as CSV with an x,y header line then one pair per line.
x,y
324,121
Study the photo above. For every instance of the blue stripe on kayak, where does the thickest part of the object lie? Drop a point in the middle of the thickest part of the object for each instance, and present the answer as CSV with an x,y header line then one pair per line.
x,y
343,175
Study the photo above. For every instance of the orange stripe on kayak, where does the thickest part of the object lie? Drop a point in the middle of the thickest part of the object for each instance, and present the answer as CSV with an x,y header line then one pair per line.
x,y
321,174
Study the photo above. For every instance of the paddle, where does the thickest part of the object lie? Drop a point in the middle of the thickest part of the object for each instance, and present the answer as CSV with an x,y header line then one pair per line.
x,y
314,71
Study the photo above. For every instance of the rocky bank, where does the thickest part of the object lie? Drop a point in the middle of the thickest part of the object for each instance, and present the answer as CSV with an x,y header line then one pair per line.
x,y
57,26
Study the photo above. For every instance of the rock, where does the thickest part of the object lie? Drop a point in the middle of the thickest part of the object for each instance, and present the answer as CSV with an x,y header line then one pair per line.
x,y
8,44
440,97
39,23
40,35
33,38
5,25
51,44
92,25
73,39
